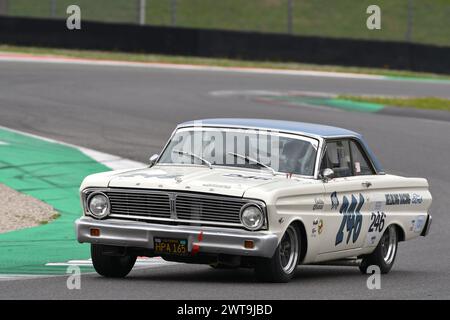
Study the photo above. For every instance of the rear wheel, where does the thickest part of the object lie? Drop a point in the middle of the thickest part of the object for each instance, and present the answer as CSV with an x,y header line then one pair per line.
x,y
384,254
111,266
281,267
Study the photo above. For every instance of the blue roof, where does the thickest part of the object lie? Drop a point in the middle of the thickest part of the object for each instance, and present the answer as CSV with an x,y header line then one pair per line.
x,y
279,125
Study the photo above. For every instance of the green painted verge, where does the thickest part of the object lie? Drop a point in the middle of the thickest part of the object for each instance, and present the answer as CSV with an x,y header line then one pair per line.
x,y
52,173
354,105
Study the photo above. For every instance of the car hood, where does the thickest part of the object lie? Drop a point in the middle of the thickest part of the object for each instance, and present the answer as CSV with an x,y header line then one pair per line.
x,y
188,178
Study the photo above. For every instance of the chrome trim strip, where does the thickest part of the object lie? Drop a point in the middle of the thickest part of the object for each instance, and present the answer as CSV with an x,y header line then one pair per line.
x,y
202,222
230,126
319,158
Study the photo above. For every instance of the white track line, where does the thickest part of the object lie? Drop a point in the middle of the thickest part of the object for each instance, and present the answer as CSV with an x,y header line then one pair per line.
x,y
8,57
10,277
141,262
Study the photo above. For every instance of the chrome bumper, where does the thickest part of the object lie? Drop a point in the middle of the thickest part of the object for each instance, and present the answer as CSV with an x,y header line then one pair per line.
x,y
426,229
140,234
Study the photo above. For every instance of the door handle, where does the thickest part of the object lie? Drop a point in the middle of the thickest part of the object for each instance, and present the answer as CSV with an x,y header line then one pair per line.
x,y
366,184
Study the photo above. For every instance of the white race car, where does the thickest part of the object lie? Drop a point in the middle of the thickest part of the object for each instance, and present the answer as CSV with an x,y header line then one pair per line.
x,y
261,194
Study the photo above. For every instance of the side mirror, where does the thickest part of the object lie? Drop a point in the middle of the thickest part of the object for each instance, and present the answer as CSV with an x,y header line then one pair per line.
x,y
153,159
327,174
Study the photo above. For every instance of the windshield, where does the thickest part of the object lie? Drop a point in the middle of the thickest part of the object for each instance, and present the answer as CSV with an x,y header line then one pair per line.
x,y
254,149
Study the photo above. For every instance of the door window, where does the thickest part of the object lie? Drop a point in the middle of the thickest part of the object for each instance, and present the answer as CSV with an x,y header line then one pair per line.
x,y
346,158
337,157
360,164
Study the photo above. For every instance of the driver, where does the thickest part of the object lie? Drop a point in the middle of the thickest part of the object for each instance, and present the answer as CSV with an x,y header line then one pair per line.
x,y
293,151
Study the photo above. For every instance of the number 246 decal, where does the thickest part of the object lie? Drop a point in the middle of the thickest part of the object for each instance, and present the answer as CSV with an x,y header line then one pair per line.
x,y
377,223
351,219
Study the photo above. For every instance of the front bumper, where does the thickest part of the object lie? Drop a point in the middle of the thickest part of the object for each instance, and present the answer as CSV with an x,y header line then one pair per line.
x,y
140,234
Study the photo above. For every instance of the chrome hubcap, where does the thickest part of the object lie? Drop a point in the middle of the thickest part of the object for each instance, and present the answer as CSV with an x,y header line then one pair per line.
x,y
289,250
389,245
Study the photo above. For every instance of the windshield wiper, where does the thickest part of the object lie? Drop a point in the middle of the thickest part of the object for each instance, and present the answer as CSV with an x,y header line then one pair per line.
x,y
248,159
193,155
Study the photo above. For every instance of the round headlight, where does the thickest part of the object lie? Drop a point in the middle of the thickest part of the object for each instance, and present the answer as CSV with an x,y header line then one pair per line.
x,y
252,217
98,204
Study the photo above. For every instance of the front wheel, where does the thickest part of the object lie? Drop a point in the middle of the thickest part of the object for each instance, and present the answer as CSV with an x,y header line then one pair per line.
x,y
111,266
281,267
384,254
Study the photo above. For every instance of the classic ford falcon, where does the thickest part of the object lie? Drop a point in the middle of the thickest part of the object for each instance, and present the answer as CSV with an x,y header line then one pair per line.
x,y
261,194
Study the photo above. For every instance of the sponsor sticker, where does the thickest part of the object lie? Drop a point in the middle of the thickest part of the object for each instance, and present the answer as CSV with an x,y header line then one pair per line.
x,y
318,204
378,206
413,223
320,226
397,199
357,167
416,198
419,224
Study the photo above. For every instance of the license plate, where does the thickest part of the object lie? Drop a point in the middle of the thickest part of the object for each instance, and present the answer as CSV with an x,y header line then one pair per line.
x,y
170,246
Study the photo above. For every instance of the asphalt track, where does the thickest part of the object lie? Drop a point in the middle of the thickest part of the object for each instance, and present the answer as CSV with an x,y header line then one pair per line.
x,y
131,112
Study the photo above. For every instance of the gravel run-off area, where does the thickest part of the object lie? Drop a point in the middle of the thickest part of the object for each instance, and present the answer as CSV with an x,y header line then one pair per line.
x,y
18,211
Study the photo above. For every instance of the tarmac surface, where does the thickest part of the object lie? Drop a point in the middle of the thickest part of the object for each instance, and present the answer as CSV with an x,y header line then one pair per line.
x,y
131,112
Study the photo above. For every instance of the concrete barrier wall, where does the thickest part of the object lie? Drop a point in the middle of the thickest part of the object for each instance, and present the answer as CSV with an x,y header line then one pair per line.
x,y
225,44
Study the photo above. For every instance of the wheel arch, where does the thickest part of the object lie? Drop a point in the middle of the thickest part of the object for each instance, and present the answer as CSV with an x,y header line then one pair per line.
x,y
400,231
303,238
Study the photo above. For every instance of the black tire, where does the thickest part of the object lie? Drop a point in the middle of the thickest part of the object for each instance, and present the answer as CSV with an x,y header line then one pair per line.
x,y
384,254
111,266
281,267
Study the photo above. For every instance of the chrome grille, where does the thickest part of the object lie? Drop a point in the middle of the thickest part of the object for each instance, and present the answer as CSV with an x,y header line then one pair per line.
x,y
166,206
208,209
154,204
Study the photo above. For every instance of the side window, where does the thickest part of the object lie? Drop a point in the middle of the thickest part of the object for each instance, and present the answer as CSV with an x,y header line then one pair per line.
x,y
360,164
337,157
